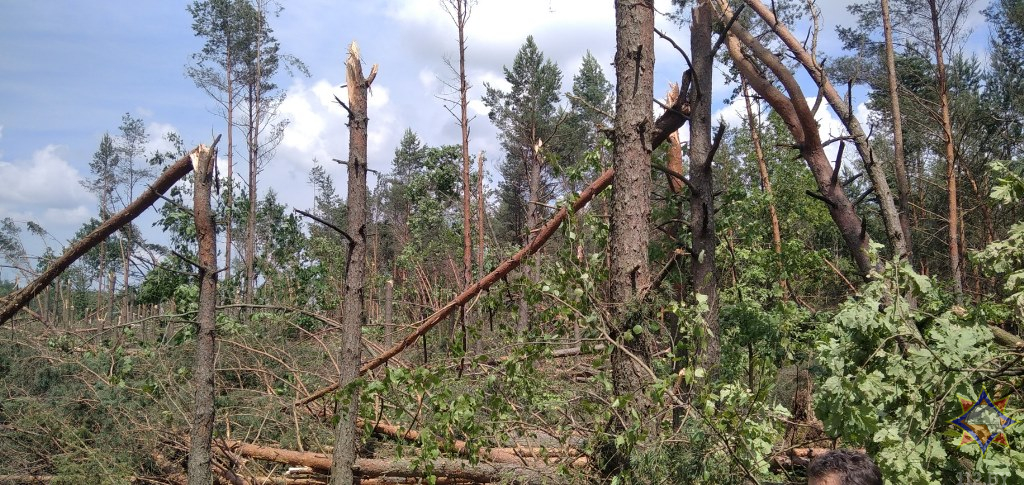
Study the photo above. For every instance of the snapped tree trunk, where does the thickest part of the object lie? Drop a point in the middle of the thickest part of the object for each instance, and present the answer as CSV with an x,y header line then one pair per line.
x,y
17,300
199,456
352,320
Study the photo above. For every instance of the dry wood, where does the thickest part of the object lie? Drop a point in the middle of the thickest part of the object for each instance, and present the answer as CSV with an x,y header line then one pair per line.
x,y
509,455
402,468
15,301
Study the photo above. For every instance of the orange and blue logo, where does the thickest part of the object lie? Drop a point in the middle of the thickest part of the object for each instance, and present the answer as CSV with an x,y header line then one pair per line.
x,y
984,421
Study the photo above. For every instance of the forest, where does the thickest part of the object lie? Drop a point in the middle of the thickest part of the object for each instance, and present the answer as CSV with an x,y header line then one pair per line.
x,y
639,293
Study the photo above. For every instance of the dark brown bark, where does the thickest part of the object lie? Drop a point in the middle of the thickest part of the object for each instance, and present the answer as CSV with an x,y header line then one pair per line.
x,y
15,301
353,318
629,273
667,123
702,202
199,457
890,216
899,160
951,181
799,119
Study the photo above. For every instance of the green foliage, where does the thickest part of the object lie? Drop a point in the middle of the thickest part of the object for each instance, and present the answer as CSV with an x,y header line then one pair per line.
x,y
883,390
1006,257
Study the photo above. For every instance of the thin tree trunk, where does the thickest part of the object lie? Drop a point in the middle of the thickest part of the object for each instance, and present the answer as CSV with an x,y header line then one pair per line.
x,y
532,221
201,435
250,224
947,132
899,160
481,214
766,182
389,319
702,202
231,164
352,321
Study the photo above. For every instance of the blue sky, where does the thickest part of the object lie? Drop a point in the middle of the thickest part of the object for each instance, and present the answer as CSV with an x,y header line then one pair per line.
x,y
70,69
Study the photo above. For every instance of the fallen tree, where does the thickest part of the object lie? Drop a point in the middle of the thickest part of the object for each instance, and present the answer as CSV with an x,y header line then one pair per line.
x,y
670,121
15,301
402,468
508,455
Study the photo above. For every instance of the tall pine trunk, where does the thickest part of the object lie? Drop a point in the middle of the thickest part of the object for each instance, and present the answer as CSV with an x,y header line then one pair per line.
x,y
352,320
947,133
630,276
899,160
702,202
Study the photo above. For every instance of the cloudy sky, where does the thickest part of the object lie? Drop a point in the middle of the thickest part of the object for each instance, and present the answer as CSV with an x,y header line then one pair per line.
x,y
70,69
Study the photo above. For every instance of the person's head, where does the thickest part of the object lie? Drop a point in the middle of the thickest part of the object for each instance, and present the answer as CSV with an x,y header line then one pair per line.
x,y
843,467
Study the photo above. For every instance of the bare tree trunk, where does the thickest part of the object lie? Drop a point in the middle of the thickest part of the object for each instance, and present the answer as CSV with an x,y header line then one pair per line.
x,y
481,216
766,182
230,203
947,132
250,225
389,320
702,202
899,160
352,321
532,221
13,302
201,435
629,274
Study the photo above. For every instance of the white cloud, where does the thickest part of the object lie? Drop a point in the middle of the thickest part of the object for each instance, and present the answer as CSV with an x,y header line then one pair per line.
x,y
44,189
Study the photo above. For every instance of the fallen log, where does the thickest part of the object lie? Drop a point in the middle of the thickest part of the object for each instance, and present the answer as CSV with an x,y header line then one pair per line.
x,y
15,301
403,468
506,455
670,121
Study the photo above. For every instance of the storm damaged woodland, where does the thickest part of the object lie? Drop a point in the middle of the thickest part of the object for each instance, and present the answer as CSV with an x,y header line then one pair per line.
x,y
702,288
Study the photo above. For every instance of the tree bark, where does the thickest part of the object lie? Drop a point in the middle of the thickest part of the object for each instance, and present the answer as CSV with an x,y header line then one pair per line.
x,y
229,204
702,202
199,457
15,301
899,160
352,320
951,182
804,128
890,217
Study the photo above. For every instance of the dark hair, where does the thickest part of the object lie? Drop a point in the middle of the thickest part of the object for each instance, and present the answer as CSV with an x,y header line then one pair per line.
x,y
852,467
